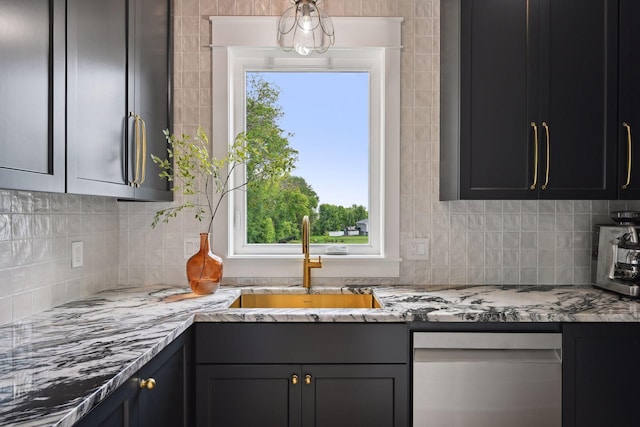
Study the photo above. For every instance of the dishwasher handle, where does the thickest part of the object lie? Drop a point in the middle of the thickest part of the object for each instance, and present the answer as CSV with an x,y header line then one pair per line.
x,y
436,347
423,355
487,341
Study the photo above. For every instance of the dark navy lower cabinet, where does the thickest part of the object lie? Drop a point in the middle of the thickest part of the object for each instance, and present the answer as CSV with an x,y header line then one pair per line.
x,y
167,402
599,376
301,374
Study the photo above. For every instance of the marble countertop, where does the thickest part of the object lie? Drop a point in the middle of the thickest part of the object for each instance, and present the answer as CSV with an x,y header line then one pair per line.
x,y
57,365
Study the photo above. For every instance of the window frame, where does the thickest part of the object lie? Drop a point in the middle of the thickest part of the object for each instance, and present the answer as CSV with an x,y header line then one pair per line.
x,y
241,44
257,60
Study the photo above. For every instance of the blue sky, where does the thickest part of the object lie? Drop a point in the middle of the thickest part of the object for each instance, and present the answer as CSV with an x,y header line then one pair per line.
x,y
328,113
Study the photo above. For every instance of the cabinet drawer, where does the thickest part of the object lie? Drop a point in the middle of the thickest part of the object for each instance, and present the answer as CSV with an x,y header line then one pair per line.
x,y
301,343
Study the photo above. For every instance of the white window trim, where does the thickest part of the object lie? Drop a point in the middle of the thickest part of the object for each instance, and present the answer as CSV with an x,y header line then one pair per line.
x,y
234,40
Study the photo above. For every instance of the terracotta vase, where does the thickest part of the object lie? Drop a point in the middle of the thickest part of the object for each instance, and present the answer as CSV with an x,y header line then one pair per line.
x,y
204,269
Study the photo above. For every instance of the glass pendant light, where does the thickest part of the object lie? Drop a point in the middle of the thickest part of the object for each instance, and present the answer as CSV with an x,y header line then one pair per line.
x,y
305,28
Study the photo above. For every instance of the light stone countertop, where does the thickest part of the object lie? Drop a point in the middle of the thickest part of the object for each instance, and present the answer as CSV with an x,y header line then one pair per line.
x,y
57,365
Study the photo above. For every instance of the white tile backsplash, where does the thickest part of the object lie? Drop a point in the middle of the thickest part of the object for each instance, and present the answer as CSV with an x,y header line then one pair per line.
x,y
36,230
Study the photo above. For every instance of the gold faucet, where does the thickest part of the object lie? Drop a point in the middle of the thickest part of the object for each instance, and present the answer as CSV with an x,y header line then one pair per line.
x,y
308,264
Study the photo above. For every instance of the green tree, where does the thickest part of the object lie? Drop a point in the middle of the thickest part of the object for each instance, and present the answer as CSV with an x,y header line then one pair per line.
x,y
333,218
275,208
285,201
328,219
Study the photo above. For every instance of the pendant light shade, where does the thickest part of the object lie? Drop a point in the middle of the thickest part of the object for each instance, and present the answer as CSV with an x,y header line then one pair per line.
x,y
305,28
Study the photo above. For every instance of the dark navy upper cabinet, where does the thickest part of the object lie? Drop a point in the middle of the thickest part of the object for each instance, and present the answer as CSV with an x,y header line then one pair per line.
x,y
528,99
629,109
32,97
118,96
86,93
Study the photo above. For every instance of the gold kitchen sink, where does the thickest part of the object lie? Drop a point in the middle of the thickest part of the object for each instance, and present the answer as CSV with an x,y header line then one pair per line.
x,y
306,301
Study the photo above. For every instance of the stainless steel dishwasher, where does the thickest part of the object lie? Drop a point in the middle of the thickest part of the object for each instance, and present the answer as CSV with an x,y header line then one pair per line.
x,y
479,379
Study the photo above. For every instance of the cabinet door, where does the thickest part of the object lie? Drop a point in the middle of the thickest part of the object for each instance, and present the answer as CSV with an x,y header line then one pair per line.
x,y
354,395
117,410
599,382
578,94
529,99
169,402
248,395
488,99
153,64
32,74
629,116
98,97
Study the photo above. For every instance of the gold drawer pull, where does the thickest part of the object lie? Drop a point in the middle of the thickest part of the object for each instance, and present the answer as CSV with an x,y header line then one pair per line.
x,y
144,151
535,156
626,185
136,141
294,379
546,178
307,379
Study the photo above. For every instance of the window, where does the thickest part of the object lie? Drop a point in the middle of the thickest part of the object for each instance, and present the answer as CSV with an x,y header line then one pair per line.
x,y
239,58
322,118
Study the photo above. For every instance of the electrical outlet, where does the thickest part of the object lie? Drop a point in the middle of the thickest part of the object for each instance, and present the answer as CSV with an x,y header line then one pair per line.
x,y
191,246
77,254
418,249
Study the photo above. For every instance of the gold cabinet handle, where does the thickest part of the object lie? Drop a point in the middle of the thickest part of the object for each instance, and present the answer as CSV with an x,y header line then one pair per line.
x,y
307,379
535,156
144,151
136,139
626,184
546,176
149,383
294,379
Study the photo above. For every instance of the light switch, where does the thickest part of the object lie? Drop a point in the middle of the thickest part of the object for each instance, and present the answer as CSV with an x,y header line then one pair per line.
x,y
191,246
418,249
77,254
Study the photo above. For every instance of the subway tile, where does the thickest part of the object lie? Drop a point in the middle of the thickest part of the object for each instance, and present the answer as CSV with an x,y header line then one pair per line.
x,y
511,240
528,276
5,201
41,202
546,275
546,258
5,227
21,252
493,222
22,305
6,309
547,206
511,257
5,283
21,202
493,239
511,275
511,207
21,226
546,240
564,275
546,222
493,275
564,240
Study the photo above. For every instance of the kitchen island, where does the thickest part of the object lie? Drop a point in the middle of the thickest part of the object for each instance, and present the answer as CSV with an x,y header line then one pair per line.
x,y
59,364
